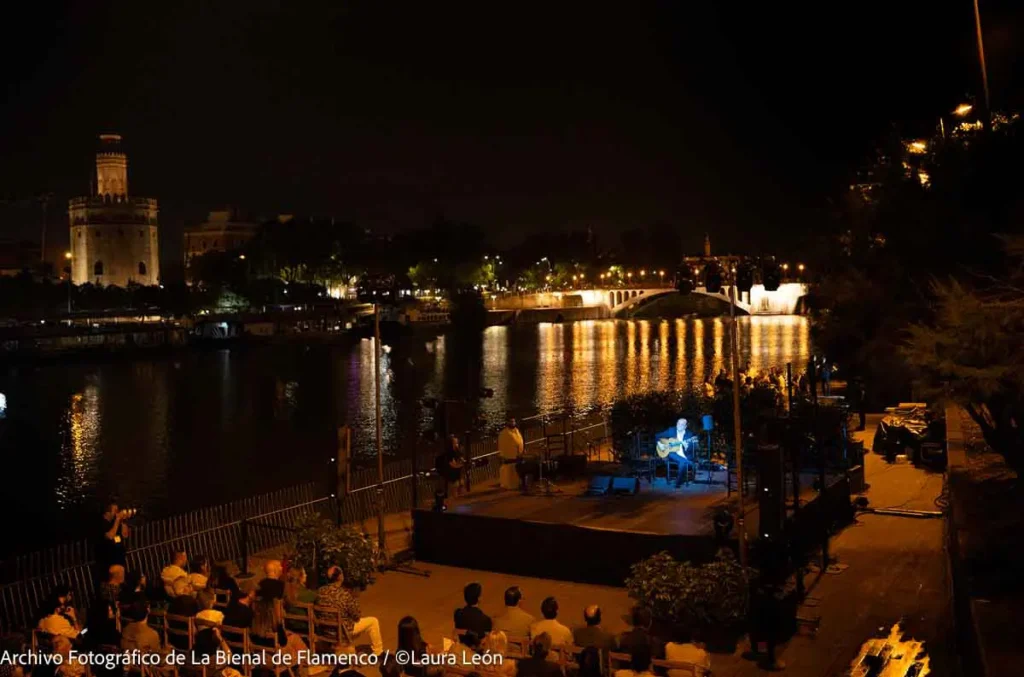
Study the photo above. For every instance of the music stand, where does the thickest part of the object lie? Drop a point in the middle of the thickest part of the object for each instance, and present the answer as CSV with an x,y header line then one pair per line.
x,y
546,486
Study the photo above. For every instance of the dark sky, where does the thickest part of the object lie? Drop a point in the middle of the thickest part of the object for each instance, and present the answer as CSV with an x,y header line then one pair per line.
x,y
737,119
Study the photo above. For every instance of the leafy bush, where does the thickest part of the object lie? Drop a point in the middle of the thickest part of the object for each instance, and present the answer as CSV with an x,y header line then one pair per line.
x,y
320,544
697,597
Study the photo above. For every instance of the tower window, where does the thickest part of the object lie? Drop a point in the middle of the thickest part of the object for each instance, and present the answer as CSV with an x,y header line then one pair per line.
x,y
97,268
142,268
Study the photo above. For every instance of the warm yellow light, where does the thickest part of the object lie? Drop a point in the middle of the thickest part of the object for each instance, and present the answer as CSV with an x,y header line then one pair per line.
x,y
642,273
917,147
67,255
661,272
800,267
785,266
549,278
241,257
629,274
963,109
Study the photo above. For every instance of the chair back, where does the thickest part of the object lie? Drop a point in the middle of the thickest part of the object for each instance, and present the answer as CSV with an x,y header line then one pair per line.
x,y
179,631
662,666
221,598
298,618
328,627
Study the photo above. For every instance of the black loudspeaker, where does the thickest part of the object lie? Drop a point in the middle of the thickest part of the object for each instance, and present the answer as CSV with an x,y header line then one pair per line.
x,y
744,276
626,485
599,485
771,276
771,491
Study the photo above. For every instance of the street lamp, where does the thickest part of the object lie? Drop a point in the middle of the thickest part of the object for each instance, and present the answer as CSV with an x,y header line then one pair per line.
x,y
963,109
800,267
67,257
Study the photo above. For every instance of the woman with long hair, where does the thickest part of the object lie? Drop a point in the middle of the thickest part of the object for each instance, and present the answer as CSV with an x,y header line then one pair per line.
x,y
295,590
268,623
410,640
496,643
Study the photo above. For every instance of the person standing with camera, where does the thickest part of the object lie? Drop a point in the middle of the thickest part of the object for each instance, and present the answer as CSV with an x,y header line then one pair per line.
x,y
110,538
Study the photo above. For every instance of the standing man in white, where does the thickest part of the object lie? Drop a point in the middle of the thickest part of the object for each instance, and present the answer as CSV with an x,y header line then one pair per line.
x,y
510,449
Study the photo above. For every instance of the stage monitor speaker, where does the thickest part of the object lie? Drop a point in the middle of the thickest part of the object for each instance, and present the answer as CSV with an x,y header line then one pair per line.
x,y
708,422
626,485
599,485
771,491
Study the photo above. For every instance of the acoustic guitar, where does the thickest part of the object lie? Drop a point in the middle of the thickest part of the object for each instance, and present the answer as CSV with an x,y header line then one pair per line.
x,y
673,445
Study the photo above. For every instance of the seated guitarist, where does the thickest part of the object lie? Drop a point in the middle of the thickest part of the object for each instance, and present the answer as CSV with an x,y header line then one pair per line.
x,y
678,441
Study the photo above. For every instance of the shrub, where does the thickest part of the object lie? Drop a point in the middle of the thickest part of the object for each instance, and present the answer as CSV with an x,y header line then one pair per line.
x,y
321,543
697,597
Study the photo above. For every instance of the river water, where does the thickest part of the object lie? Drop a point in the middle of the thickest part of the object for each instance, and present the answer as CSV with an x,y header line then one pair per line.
x,y
171,433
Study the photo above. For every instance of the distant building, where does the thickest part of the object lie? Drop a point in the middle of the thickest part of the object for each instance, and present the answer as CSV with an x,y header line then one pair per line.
x,y
222,231
113,236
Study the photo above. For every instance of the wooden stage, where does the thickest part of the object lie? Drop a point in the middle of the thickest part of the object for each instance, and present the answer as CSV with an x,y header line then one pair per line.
x,y
658,508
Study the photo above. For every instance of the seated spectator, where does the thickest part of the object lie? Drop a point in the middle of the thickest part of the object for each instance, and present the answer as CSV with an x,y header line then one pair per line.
x,y
136,633
100,627
67,667
174,571
205,600
641,635
514,621
335,595
11,644
538,665
57,615
268,624
200,572
134,588
470,617
110,589
496,643
466,646
592,634
559,634
183,599
639,663
238,613
220,579
213,654
271,584
295,590
684,648
411,642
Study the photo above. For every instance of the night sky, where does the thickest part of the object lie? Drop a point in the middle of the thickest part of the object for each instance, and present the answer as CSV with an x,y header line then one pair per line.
x,y
737,119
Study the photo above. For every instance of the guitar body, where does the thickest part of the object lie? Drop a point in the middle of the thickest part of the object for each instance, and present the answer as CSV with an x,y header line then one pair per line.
x,y
671,445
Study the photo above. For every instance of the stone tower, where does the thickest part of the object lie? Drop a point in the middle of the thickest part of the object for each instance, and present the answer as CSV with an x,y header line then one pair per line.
x,y
707,246
113,236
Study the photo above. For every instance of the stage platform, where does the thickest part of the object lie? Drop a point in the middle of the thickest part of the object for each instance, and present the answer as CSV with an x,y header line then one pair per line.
x,y
658,508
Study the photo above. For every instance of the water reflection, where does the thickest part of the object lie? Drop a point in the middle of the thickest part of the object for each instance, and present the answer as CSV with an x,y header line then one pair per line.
x,y
170,434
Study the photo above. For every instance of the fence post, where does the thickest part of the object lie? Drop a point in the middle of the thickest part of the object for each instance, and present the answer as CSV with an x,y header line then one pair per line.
x,y
244,535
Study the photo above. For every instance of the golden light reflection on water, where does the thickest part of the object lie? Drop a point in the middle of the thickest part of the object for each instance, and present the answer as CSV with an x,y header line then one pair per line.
x,y
594,363
81,448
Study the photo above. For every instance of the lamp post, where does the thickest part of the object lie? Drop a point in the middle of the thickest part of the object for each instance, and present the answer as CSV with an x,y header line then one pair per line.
x,y
987,115
67,257
381,538
737,433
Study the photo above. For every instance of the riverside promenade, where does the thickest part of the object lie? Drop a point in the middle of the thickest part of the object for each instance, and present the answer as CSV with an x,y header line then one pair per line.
x,y
891,569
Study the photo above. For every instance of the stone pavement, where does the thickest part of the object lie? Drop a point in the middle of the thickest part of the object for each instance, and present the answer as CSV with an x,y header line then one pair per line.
x,y
894,571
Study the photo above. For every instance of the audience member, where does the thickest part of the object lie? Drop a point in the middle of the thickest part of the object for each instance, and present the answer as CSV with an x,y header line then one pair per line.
x,y
238,613
57,614
200,572
268,624
134,588
205,600
538,665
183,599
10,644
295,590
136,633
559,634
496,643
514,621
470,617
110,589
220,579
213,654
641,635
464,648
591,663
100,627
592,634
173,571
683,648
410,640
335,595
639,663
271,585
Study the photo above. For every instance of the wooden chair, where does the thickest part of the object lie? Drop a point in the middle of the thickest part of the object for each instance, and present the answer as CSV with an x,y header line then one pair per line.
x,y
618,660
518,646
328,628
221,598
179,632
662,666
298,618
157,620
268,646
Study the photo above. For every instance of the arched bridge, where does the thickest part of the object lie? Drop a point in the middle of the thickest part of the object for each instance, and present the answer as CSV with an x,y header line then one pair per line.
x,y
786,300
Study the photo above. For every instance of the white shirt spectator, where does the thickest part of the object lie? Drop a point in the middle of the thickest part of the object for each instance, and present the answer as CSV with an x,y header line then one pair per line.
x,y
55,624
171,573
212,615
559,634
688,653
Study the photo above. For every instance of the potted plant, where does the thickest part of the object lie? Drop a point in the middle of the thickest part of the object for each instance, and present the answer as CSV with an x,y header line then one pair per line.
x,y
320,544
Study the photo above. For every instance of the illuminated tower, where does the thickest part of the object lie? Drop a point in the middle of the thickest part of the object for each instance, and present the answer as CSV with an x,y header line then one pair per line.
x,y
707,246
113,236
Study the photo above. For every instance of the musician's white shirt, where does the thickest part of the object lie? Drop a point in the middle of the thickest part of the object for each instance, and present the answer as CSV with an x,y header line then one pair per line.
x,y
679,439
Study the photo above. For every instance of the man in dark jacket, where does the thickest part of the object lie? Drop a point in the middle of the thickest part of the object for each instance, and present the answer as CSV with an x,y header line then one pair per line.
x,y
470,617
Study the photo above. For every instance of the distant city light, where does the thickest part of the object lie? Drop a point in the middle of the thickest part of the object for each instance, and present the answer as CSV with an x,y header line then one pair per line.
x,y
800,267
67,255
3,405
785,266
241,257
917,147
963,109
